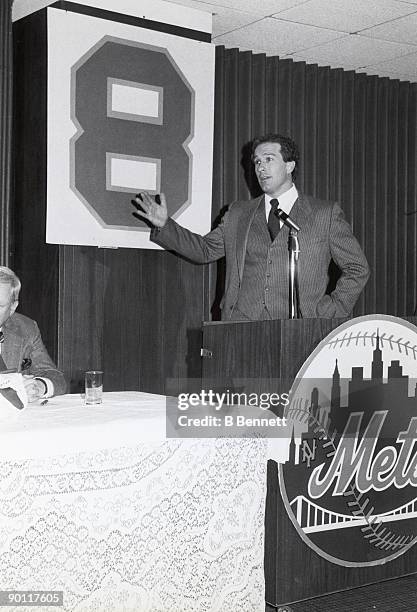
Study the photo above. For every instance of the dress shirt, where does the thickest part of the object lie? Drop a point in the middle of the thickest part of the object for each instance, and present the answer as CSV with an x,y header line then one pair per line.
x,y
285,202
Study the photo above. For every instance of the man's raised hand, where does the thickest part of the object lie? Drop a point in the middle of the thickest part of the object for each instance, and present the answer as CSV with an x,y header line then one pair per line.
x,y
150,210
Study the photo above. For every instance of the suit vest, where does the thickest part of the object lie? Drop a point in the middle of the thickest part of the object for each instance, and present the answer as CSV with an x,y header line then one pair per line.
x,y
263,292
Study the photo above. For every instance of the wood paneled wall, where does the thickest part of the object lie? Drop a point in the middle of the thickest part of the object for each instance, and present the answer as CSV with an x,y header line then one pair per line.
x,y
5,129
135,314
35,262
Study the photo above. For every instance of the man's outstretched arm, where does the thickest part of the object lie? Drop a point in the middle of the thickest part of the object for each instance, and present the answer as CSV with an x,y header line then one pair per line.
x,y
169,234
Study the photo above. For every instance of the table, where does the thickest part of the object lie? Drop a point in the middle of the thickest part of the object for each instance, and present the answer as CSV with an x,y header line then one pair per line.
x,y
96,502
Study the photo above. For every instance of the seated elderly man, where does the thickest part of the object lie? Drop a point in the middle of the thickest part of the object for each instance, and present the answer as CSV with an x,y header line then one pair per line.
x,y
21,346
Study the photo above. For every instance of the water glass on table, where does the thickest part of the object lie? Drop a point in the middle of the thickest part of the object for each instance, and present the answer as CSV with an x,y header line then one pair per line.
x,y
93,387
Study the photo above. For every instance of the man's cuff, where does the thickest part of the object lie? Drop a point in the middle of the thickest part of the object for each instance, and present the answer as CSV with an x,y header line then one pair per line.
x,y
49,386
155,231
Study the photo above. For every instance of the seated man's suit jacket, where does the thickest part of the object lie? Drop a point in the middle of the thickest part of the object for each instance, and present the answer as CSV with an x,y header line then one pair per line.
x,y
22,341
324,235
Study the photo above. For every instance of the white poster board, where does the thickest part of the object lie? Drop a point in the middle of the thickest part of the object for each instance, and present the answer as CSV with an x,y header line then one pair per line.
x,y
129,110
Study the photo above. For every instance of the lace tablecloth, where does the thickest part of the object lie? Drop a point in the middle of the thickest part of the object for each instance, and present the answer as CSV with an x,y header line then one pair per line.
x,y
95,502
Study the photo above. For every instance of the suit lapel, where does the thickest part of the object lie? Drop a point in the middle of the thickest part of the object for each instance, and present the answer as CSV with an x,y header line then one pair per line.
x,y
244,224
301,212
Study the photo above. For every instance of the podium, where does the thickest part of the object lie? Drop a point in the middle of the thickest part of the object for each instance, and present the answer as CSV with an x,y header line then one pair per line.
x,y
259,356
264,350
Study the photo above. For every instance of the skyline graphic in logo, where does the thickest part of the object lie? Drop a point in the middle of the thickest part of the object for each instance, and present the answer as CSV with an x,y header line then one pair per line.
x,y
350,485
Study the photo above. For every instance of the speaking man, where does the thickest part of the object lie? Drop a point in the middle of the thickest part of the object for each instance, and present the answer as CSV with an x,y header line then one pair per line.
x,y
255,243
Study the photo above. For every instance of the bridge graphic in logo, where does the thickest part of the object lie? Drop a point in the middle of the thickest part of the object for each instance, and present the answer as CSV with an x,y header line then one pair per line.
x,y
311,517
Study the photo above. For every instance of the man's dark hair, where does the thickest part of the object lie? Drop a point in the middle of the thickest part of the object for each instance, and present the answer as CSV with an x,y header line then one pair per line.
x,y
289,149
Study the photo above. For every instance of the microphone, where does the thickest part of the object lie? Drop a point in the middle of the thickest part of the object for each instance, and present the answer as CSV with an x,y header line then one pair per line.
x,y
287,220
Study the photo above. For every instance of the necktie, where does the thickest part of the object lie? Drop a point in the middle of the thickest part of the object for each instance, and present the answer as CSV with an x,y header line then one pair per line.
x,y
273,221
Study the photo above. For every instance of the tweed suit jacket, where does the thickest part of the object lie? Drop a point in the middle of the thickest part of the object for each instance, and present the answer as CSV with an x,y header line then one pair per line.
x,y
324,235
22,340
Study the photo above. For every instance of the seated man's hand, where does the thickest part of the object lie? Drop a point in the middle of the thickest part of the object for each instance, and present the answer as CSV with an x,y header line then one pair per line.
x,y
35,388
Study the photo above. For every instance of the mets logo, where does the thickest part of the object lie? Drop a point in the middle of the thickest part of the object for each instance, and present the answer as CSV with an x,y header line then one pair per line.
x,y
350,482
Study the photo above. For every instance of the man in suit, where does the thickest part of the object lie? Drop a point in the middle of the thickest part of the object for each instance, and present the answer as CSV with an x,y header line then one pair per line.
x,y
256,253
21,346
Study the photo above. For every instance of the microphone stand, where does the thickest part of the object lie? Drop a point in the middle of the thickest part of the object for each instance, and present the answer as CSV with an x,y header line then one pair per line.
x,y
294,298
294,311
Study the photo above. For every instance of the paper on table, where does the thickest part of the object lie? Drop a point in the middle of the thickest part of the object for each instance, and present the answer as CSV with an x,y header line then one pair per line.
x,y
13,396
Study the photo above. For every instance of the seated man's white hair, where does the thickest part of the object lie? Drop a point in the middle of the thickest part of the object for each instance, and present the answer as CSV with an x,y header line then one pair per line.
x,y
8,277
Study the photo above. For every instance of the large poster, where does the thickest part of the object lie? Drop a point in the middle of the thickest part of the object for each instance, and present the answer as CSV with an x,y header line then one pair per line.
x,y
129,110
